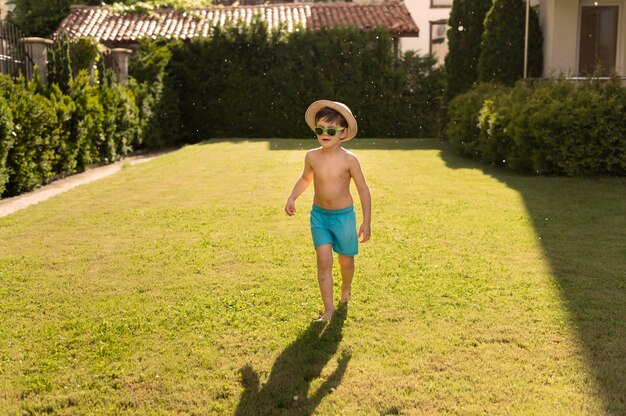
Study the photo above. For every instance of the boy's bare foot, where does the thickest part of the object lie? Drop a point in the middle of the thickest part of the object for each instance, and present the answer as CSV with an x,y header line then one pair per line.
x,y
346,297
326,316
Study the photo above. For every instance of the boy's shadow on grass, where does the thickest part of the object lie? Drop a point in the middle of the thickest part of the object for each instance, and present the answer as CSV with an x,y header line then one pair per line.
x,y
286,390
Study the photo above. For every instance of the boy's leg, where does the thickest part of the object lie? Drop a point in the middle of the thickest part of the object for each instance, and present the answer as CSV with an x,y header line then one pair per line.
x,y
347,272
325,278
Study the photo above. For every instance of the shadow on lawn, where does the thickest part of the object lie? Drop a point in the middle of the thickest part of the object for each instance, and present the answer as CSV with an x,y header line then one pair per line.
x,y
582,225
286,390
308,143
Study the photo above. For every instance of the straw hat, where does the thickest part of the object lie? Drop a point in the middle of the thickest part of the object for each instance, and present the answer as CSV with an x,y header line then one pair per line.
x,y
341,108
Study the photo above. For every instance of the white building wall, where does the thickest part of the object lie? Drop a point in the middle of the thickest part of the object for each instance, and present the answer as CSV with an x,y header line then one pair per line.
x,y
560,21
423,14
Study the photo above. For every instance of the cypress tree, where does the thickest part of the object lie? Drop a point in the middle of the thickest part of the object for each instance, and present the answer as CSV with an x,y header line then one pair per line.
x,y
502,51
464,38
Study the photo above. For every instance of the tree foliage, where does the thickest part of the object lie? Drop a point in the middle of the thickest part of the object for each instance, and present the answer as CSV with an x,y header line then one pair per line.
x,y
502,49
464,38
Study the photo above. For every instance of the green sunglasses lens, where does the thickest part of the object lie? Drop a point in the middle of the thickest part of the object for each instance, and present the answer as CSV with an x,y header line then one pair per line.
x,y
331,131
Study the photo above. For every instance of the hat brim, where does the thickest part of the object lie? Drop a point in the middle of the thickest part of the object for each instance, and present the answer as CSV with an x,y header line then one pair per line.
x,y
342,109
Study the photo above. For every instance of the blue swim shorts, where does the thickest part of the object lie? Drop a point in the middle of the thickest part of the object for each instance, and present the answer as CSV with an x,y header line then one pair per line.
x,y
336,227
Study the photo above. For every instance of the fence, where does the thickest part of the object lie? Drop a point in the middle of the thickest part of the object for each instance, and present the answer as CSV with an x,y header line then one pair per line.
x,y
15,54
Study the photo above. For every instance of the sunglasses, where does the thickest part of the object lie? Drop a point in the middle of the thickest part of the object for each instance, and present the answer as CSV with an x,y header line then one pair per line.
x,y
331,131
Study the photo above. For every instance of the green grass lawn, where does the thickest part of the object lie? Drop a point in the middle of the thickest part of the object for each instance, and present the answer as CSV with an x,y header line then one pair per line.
x,y
179,286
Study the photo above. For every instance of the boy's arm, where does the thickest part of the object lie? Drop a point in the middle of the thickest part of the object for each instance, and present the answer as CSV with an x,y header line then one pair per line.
x,y
364,196
301,185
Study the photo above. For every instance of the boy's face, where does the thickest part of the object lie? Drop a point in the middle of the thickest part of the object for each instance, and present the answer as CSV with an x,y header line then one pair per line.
x,y
325,139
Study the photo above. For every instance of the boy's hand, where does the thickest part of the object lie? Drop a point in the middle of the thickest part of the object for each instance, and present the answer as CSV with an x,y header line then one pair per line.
x,y
290,208
364,232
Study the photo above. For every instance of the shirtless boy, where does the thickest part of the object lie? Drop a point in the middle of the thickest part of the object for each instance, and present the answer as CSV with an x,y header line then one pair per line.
x,y
333,218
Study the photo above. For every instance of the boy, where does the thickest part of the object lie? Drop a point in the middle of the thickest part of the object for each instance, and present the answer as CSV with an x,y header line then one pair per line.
x,y
333,219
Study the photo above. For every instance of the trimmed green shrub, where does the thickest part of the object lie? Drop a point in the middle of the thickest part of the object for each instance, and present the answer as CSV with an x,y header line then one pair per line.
x,y
120,119
580,129
550,127
59,66
128,132
87,137
502,50
157,101
85,54
148,62
51,132
7,138
31,159
67,150
463,114
67,57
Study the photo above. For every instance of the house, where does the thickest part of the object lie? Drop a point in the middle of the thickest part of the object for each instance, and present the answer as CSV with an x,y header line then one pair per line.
x,y
431,16
124,30
580,34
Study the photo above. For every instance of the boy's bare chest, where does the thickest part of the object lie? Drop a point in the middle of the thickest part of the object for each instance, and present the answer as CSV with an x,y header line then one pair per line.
x,y
330,170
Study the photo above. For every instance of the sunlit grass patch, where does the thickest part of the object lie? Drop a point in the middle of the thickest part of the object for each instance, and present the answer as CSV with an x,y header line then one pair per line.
x,y
180,286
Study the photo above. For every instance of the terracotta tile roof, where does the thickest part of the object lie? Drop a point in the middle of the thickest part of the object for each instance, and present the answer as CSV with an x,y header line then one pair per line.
x,y
390,15
102,24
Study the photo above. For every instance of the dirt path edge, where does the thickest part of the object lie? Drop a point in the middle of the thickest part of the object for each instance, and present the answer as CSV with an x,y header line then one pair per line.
x,y
13,204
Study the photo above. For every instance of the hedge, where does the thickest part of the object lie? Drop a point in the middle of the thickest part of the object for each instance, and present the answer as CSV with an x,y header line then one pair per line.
x,y
248,82
158,103
84,117
30,156
550,127
7,138
46,133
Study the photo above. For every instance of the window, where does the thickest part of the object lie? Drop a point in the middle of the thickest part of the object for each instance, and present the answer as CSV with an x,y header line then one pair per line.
x,y
439,40
598,39
440,3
